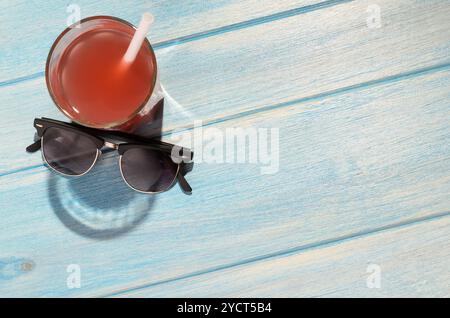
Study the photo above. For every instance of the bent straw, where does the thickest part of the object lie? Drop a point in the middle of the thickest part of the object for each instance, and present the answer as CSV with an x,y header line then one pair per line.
x,y
138,37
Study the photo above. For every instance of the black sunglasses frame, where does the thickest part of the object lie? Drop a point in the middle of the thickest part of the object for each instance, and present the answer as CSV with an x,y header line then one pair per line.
x,y
121,142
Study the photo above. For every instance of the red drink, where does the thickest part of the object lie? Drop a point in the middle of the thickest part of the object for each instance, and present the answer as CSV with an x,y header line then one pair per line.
x,y
91,84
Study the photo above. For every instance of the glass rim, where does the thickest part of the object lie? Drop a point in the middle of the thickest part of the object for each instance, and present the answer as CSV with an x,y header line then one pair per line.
x,y
153,80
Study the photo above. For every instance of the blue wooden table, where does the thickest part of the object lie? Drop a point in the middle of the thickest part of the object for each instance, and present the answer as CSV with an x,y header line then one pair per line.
x,y
357,94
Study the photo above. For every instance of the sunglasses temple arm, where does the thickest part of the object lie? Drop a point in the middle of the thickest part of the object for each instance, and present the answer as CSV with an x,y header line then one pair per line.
x,y
184,184
35,146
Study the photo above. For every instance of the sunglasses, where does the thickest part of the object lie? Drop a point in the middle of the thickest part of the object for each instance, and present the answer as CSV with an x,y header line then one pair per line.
x,y
146,165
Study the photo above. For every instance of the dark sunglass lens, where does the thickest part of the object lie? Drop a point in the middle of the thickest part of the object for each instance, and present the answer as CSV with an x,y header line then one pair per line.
x,y
67,151
148,170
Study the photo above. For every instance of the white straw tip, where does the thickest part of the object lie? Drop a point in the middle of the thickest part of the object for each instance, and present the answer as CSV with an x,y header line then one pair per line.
x,y
148,18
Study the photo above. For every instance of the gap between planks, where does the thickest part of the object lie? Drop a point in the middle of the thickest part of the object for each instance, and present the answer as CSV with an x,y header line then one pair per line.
x,y
291,251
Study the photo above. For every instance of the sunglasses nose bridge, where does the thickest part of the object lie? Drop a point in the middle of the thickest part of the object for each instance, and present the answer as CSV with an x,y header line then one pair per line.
x,y
110,145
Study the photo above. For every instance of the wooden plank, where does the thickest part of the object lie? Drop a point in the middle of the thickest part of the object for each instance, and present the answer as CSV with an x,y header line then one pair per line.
x,y
38,23
349,163
413,261
302,56
284,61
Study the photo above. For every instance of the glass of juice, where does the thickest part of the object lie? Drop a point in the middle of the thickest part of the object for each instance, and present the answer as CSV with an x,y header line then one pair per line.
x,y
89,82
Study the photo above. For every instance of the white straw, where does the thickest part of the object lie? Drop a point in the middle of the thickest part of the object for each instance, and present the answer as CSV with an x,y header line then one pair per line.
x,y
138,38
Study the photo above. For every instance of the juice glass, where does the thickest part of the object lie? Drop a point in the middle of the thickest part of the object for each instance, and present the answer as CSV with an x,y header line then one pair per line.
x,y
89,82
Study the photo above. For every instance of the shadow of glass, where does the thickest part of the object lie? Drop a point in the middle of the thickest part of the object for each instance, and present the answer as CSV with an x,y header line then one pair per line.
x,y
99,205
152,122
